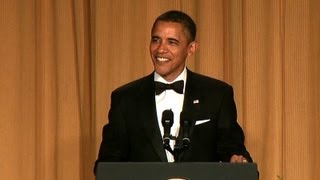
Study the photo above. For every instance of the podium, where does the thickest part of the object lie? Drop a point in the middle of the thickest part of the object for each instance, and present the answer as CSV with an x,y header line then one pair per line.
x,y
176,171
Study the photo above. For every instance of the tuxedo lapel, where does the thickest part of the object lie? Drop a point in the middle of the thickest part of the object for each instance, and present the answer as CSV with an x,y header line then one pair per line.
x,y
192,103
192,97
149,113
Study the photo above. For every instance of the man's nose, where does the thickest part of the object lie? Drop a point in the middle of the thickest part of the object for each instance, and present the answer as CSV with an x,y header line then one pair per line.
x,y
162,47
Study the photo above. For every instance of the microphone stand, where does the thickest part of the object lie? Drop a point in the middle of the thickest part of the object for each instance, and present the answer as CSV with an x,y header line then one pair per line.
x,y
178,149
182,141
180,146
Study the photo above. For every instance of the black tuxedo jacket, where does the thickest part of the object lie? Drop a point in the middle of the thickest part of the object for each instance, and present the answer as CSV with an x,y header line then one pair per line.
x,y
133,134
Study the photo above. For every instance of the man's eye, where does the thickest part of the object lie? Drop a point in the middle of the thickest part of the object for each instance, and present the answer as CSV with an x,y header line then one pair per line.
x,y
173,42
155,40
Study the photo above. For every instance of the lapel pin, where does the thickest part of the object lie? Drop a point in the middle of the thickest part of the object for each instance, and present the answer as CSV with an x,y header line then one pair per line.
x,y
196,101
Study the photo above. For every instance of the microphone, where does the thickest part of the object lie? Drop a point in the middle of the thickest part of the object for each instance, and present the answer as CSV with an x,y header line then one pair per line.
x,y
185,124
167,122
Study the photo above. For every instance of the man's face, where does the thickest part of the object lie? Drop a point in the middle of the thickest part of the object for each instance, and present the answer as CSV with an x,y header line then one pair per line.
x,y
169,48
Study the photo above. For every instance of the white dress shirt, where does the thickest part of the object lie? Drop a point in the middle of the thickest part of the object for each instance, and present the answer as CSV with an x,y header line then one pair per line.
x,y
169,99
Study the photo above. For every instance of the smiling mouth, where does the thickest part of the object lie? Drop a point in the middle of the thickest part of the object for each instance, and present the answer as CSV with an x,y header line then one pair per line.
x,y
162,59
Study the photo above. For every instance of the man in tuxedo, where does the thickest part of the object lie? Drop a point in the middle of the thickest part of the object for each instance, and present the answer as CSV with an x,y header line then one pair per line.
x,y
202,116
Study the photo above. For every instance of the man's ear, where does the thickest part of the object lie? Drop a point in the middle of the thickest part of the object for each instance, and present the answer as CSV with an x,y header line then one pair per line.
x,y
193,46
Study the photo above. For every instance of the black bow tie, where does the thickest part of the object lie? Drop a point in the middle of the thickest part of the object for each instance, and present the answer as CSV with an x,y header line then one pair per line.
x,y
176,86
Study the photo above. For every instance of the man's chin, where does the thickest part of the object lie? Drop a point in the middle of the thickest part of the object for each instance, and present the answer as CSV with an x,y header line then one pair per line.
x,y
161,71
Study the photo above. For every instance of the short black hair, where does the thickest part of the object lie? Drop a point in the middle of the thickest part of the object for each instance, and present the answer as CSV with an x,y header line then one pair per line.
x,y
178,17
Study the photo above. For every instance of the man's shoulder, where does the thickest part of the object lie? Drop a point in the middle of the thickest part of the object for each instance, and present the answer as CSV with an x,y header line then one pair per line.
x,y
135,85
207,81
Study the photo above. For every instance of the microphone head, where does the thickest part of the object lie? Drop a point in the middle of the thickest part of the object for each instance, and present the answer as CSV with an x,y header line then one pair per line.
x,y
185,118
185,123
167,118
